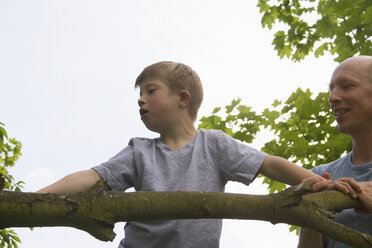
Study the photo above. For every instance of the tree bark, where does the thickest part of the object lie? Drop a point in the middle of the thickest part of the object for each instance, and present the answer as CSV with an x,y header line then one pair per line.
x,y
97,210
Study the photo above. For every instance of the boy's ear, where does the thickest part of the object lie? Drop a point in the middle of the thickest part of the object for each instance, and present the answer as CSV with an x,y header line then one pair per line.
x,y
185,97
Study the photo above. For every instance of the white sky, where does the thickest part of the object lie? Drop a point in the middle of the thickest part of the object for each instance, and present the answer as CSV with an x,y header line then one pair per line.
x,y
67,70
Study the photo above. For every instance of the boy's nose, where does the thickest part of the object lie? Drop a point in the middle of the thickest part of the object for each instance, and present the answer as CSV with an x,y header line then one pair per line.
x,y
141,102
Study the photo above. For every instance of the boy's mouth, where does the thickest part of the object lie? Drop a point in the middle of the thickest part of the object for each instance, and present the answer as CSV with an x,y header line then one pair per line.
x,y
143,112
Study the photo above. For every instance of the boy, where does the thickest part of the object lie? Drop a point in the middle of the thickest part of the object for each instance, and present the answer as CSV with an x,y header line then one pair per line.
x,y
182,158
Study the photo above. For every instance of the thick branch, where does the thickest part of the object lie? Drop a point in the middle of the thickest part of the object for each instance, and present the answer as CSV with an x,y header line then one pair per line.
x,y
96,210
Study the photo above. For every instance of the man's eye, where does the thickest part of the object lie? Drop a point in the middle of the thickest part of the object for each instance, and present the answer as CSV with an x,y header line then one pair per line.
x,y
151,91
346,86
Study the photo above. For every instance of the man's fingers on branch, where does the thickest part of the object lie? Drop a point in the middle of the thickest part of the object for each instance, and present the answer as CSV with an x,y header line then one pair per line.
x,y
347,185
365,196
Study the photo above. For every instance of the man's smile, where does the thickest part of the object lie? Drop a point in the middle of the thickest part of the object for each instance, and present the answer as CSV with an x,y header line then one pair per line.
x,y
339,112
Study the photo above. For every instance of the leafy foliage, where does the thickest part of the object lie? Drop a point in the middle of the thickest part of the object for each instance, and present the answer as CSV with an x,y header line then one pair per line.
x,y
10,150
305,132
341,27
238,121
304,129
9,238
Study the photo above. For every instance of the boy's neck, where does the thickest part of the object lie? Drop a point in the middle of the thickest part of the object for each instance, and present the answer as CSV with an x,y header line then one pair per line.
x,y
177,138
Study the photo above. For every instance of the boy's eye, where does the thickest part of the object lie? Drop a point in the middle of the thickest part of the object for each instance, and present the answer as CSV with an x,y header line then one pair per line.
x,y
151,91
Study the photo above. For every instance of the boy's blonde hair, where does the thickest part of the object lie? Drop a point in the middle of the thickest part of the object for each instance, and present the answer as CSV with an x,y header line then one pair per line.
x,y
176,76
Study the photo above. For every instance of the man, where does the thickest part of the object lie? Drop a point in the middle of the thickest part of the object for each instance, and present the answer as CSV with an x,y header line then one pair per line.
x,y
351,102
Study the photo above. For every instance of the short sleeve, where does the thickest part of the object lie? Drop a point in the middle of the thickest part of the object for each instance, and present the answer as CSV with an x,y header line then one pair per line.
x,y
119,172
237,161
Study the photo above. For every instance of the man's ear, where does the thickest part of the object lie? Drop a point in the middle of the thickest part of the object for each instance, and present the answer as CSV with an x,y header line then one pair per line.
x,y
185,98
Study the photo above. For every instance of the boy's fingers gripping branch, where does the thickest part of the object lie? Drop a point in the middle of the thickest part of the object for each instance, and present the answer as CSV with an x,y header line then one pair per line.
x,y
319,182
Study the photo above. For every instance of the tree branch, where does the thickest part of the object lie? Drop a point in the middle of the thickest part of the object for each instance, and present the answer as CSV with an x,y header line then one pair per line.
x,y
95,211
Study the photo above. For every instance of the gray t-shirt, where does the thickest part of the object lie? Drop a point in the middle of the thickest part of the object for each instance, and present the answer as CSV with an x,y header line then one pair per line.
x,y
205,164
344,168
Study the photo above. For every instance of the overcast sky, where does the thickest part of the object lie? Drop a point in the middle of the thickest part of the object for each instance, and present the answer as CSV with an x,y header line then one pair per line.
x,y
67,72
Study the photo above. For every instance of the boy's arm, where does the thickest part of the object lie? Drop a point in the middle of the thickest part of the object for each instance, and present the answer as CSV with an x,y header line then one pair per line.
x,y
280,169
73,183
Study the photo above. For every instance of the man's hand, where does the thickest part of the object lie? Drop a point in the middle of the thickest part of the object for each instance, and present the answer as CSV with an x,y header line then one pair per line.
x,y
365,197
362,190
347,185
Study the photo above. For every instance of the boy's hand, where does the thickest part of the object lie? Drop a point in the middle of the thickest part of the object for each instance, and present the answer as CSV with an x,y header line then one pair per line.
x,y
319,182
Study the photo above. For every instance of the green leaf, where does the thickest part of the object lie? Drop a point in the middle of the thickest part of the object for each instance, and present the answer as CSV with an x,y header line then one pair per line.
x,y
325,26
367,16
216,110
231,107
263,6
2,130
286,51
320,50
206,123
276,103
267,20
295,229
2,135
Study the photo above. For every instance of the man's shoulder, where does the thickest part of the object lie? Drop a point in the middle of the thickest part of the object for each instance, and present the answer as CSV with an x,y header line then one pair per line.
x,y
334,165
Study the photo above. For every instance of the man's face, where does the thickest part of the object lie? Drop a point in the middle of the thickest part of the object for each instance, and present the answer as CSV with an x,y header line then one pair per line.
x,y
351,97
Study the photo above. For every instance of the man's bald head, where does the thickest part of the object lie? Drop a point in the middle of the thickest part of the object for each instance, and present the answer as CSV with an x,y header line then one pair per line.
x,y
363,62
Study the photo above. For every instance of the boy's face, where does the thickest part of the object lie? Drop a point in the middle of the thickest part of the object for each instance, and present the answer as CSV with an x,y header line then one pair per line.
x,y
158,105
